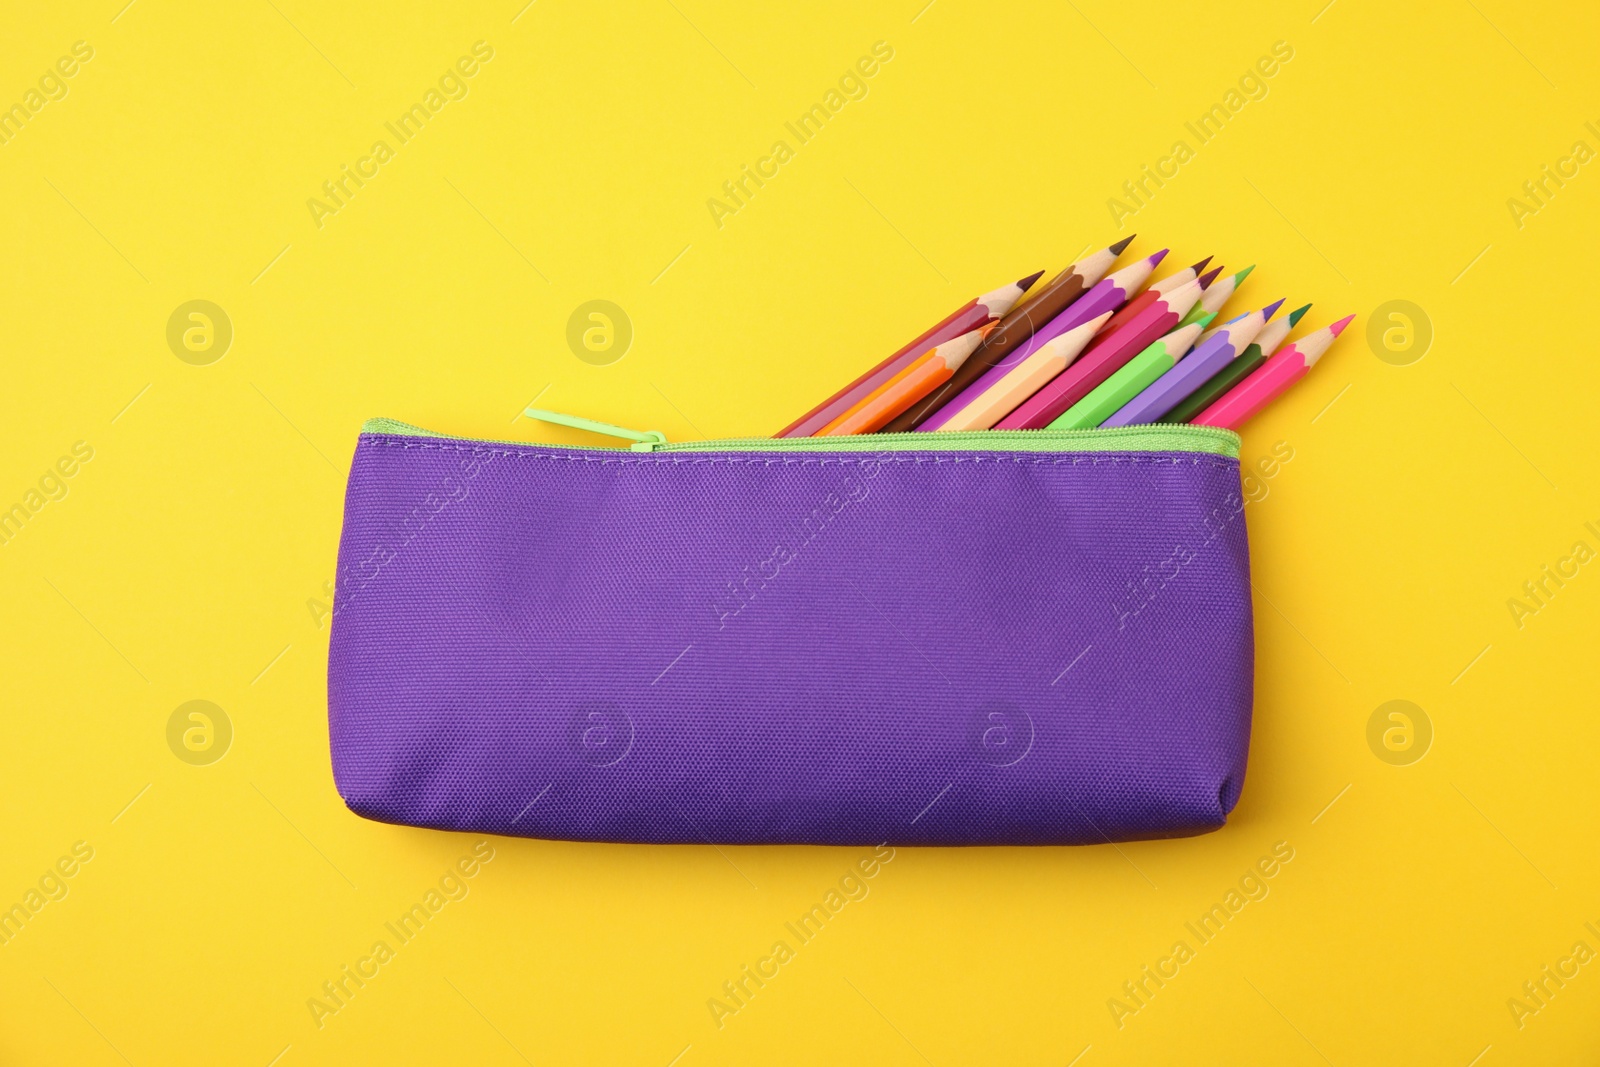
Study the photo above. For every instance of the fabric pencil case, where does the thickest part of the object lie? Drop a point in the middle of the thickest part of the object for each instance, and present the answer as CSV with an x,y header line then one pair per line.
x,y
1034,637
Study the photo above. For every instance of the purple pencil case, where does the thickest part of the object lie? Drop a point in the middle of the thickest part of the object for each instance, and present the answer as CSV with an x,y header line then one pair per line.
x,y
1025,637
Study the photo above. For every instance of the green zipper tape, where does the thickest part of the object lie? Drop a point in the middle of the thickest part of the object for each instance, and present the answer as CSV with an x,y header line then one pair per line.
x,y
1159,437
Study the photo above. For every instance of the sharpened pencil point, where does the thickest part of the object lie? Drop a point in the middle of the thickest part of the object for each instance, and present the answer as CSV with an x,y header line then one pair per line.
x,y
1204,320
1117,248
1200,266
1209,277
1027,283
1297,314
1339,326
1242,275
1271,309
1157,257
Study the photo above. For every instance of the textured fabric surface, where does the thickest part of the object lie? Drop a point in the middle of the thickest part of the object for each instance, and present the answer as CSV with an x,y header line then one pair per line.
x,y
911,647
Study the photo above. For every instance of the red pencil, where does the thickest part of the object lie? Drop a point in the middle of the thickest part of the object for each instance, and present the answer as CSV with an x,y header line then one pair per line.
x,y
964,319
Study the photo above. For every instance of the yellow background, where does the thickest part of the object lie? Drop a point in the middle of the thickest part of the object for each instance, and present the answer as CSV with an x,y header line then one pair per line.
x,y
185,561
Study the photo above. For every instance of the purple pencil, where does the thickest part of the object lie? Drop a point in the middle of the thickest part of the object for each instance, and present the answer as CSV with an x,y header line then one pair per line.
x,y
1208,357
1108,294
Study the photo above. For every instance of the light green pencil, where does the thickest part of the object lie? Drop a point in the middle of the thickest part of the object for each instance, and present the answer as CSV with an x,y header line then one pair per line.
x,y
1131,378
1216,295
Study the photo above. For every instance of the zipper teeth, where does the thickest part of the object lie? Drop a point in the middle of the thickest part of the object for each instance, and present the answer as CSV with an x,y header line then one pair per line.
x,y
984,437
994,439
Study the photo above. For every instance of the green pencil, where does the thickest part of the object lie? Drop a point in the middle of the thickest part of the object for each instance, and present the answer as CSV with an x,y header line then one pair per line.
x,y
1216,295
1270,337
1129,380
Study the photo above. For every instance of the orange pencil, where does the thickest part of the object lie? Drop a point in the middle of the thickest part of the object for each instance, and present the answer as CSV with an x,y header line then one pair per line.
x,y
922,376
987,308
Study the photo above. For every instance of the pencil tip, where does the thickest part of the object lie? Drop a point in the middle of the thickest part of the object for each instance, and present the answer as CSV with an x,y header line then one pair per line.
x,y
1297,314
1242,275
1117,248
1209,277
1200,266
1271,309
1159,256
1091,327
1026,283
1203,321
1339,326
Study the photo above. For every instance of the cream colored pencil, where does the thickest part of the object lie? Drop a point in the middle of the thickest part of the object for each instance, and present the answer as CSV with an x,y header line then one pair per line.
x,y
1025,379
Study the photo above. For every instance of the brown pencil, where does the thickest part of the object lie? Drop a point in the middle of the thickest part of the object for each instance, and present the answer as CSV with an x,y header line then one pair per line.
x,y
1014,330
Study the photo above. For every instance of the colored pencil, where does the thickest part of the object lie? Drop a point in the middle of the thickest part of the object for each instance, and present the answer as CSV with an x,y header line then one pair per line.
x,y
1218,293
1267,341
1023,380
969,316
1050,299
1287,366
1106,296
1130,379
923,375
1013,333
1207,358
1144,299
1207,281
1102,359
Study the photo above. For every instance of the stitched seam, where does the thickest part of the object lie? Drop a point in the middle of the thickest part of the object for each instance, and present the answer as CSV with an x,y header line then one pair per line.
x,y
851,459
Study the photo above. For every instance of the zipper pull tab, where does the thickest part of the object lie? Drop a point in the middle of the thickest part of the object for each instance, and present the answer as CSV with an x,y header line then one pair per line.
x,y
647,441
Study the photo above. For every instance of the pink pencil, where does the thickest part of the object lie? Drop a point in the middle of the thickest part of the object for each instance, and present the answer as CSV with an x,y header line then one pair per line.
x,y
1268,381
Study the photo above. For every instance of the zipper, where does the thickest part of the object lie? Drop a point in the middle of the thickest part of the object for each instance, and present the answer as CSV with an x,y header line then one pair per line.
x,y
1157,437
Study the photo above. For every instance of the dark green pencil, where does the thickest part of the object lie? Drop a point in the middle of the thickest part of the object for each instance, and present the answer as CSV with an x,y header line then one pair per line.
x,y
1271,336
